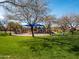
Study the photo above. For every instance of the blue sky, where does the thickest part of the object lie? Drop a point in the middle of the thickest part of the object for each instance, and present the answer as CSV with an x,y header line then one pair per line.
x,y
58,7
2,12
63,7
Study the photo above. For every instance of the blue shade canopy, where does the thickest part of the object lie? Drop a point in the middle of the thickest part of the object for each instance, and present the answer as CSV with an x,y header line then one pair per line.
x,y
34,25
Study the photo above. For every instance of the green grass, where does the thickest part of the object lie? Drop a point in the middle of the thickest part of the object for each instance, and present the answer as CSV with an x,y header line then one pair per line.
x,y
4,34
55,47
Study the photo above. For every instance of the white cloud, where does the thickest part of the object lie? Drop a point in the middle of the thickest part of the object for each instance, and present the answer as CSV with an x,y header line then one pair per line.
x,y
1,0
1,17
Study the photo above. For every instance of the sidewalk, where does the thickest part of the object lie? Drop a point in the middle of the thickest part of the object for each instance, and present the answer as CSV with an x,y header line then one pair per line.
x,y
28,34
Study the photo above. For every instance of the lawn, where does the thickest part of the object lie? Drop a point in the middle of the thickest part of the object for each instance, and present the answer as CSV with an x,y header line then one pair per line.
x,y
51,47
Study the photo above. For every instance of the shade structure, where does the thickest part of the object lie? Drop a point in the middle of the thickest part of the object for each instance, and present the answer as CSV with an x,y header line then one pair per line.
x,y
34,25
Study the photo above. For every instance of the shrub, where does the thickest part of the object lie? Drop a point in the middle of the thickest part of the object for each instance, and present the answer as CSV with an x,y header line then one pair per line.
x,y
4,34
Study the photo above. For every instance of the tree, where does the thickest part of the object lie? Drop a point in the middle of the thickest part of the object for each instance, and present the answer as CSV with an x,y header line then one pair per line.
x,y
3,25
69,22
49,20
32,11
14,26
10,25
62,23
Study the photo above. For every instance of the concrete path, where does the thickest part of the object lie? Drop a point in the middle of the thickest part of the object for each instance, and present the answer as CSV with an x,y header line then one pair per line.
x,y
28,34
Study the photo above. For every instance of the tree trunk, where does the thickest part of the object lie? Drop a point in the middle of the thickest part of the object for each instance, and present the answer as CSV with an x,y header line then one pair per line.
x,y
5,30
72,30
32,31
50,32
10,31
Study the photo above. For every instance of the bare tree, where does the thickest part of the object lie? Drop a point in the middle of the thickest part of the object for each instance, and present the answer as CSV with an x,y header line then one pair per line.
x,y
3,25
32,11
15,27
49,20
69,22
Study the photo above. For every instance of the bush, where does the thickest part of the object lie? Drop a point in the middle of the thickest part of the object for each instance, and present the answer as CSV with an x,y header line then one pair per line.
x,y
75,48
4,34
